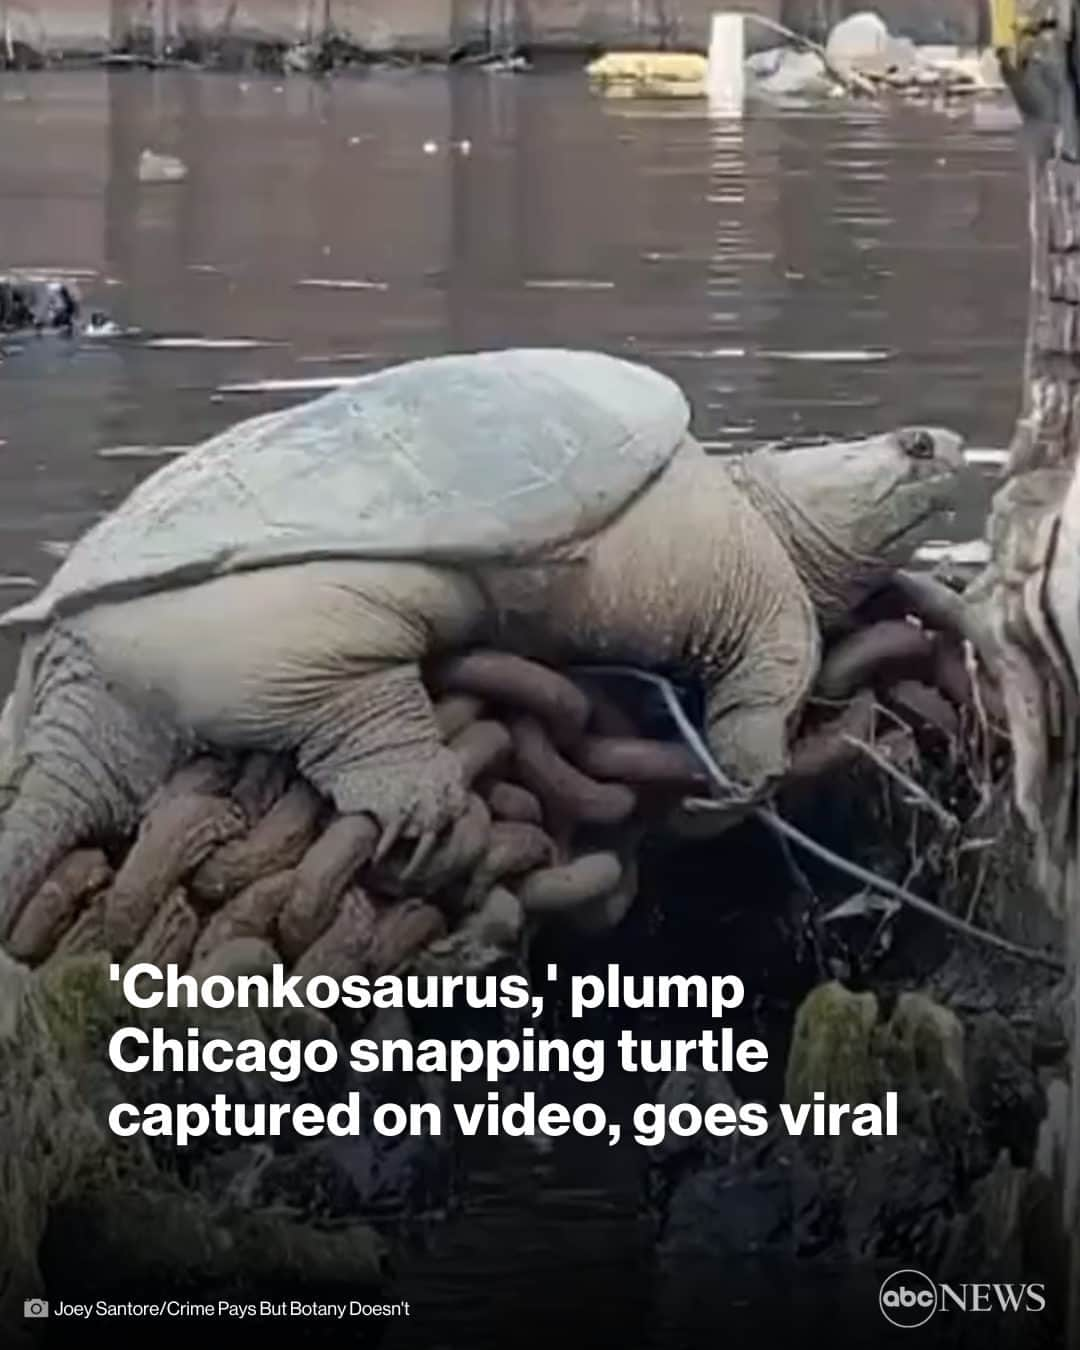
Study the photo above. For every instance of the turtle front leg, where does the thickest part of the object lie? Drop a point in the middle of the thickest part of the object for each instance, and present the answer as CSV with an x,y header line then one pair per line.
x,y
373,747
753,701
750,745
319,661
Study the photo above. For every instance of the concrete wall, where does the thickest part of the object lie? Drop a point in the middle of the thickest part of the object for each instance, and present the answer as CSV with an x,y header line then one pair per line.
x,y
436,27
601,23
58,24
964,21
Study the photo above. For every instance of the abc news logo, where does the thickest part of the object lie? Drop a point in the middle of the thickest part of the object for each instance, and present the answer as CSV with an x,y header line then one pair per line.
x,y
908,1298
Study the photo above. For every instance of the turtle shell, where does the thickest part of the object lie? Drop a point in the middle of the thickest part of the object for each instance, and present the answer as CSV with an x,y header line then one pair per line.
x,y
452,459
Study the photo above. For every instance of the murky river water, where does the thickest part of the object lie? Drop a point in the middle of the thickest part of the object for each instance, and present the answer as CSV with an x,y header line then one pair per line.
x,y
802,273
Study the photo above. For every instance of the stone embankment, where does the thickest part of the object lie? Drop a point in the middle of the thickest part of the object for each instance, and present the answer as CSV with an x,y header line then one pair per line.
x,y
261,32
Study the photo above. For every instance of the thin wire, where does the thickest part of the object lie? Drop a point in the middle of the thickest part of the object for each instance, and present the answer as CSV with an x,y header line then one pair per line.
x,y
769,817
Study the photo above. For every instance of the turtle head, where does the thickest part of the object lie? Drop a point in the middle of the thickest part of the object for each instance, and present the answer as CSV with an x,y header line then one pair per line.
x,y
850,512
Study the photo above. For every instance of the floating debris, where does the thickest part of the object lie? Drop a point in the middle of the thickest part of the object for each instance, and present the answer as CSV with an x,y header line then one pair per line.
x,y
16,581
101,326
781,72
37,304
56,548
646,74
155,168
302,58
506,65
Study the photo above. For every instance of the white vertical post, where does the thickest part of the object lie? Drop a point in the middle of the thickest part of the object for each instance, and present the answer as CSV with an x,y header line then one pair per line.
x,y
726,76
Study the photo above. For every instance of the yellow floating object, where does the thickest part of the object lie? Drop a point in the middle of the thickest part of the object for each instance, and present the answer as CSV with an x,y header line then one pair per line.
x,y
651,89
1003,20
660,68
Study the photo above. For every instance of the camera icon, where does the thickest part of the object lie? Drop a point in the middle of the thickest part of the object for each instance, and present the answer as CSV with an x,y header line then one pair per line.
x,y
35,1307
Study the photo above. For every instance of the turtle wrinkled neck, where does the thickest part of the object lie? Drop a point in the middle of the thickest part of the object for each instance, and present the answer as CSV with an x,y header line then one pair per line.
x,y
834,576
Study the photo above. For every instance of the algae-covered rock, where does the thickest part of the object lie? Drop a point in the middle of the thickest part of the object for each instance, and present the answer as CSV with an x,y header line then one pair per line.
x,y
831,1047
936,1194
81,1005
88,1210
49,1140
172,1239
921,1051
1005,1085
843,1048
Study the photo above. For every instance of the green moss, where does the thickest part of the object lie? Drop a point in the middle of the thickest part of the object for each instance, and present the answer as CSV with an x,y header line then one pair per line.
x,y
831,1047
82,1005
922,1049
842,1048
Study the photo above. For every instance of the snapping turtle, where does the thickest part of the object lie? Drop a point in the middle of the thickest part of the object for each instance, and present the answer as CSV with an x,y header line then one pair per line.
x,y
280,586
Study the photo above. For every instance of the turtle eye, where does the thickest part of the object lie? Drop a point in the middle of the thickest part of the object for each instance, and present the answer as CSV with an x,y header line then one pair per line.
x,y
917,443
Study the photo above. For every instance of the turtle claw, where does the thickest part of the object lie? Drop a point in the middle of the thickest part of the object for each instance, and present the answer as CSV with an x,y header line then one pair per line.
x,y
416,803
391,834
425,847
